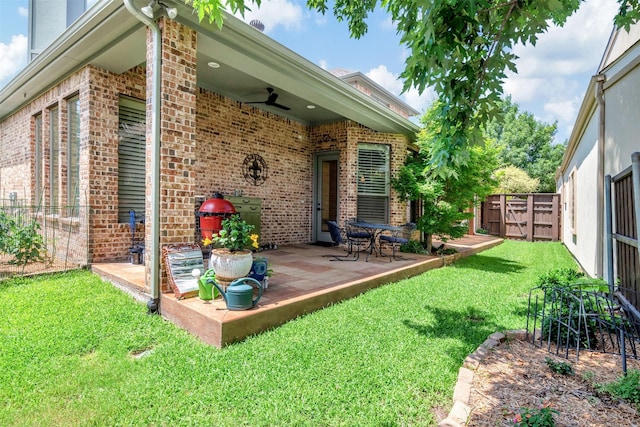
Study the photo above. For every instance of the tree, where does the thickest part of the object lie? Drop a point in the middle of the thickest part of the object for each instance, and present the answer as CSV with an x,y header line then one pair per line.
x,y
514,180
445,199
527,144
460,48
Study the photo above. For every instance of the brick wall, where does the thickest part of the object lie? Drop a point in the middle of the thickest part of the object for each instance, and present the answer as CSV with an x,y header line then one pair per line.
x,y
344,137
228,132
204,142
109,239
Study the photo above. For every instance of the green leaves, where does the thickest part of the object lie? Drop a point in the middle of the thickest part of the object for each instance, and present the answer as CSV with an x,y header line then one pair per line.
x,y
213,9
447,185
20,237
460,48
526,143
235,234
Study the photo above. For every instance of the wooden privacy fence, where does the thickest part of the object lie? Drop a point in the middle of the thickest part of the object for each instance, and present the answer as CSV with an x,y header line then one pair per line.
x,y
530,217
623,261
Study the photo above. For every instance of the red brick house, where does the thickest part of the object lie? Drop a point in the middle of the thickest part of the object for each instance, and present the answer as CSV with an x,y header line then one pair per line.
x,y
115,115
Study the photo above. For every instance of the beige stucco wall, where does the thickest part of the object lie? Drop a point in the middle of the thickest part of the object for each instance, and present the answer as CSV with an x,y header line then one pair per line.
x,y
621,125
622,118
582,239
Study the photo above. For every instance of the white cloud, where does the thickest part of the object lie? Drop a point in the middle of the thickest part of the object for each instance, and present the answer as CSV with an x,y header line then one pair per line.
x,y
388,24
385,78
323,64
580,43
565,110
13,56
575,48
23,11
420,102
273,13
393,84
553,74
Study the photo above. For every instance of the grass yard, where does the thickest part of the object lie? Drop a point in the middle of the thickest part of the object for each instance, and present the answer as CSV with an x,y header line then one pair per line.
x,y
76,351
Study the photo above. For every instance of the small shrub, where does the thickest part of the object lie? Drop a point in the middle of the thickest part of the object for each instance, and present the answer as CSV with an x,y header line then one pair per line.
x,y
413,247
541,417
482,231
568,297
562,368
20,237
559,277
626,387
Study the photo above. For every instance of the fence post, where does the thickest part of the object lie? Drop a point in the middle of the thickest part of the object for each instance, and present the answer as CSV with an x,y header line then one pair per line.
x,y
530,216
609,226
484,218
635,167
503,215
555,215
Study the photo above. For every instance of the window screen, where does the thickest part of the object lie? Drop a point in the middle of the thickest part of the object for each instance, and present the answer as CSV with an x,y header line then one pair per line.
x,y
131,158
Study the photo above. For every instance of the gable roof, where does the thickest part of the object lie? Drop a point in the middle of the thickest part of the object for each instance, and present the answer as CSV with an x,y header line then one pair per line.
x,y
359,80
108,36
620,41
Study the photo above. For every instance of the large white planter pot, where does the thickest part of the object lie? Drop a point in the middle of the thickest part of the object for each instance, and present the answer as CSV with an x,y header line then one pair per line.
x,y
229,266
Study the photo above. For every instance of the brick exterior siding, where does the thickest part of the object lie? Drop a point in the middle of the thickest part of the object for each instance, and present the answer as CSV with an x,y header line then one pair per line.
x,y
205,138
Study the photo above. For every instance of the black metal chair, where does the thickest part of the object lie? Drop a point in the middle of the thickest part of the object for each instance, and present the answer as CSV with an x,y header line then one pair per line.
x,y
358,238
136,251
396,239
340,238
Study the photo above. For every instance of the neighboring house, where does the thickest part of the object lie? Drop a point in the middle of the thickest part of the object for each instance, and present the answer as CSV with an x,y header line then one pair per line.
x,y
114,115
601,143
375,91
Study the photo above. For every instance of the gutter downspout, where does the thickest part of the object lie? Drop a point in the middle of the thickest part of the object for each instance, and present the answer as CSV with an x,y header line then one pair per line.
x,y
153,304
600,78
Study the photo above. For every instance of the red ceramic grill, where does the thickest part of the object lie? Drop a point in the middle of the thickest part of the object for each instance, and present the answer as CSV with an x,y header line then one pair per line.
x,y
212,212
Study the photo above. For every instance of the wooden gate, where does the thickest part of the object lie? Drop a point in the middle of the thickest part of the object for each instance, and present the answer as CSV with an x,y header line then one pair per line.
x,y
625,234
531,217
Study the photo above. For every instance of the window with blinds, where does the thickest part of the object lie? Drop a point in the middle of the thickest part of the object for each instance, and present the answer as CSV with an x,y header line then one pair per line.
x,y
73,156
54,157
38,159
373,182
131,158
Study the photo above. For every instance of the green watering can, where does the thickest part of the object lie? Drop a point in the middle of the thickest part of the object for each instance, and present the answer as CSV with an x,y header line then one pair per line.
x,y
239,295
206,292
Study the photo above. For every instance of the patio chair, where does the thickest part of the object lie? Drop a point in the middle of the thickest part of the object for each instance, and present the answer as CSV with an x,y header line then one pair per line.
x,y
358,238
339,238
136,251
396,239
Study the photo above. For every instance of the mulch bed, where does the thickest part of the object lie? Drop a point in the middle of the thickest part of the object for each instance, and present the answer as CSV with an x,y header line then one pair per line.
x,y
515,375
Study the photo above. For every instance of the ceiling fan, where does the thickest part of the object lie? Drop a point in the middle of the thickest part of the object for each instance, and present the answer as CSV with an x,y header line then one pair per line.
x,y
271,100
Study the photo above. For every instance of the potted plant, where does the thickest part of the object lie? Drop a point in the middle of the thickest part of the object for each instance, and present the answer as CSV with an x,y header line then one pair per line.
x,y
229,258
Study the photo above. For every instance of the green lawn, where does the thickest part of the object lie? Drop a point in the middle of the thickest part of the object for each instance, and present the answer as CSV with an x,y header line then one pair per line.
x,y
386,358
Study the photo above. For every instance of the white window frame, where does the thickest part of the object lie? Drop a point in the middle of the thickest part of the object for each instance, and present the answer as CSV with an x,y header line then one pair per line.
x,y
373,182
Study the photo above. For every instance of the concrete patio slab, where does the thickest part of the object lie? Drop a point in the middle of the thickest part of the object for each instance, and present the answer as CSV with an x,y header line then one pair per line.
x,y
305,278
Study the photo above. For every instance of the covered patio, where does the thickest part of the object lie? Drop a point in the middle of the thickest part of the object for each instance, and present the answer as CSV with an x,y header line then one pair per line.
x,y
304,279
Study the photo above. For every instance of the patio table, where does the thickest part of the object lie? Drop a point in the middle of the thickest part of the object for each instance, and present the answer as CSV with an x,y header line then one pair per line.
x,y
375,229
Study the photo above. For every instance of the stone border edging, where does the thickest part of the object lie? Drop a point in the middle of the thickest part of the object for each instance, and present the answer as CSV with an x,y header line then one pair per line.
x,y
460,412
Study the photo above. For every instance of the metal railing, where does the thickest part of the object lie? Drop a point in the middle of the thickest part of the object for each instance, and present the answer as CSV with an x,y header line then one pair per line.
x,y
42,239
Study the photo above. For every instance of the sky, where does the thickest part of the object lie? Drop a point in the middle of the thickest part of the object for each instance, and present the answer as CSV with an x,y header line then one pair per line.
x,y
551,81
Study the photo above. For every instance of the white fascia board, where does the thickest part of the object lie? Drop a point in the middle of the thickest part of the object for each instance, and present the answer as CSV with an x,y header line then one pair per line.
x,y
65,54
582,121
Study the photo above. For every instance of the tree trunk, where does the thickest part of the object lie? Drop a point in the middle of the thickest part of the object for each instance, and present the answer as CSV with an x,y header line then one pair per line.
x,y
429,242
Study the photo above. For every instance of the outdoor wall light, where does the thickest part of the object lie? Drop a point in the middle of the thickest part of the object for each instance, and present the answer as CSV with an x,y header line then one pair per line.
x,y
148,10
